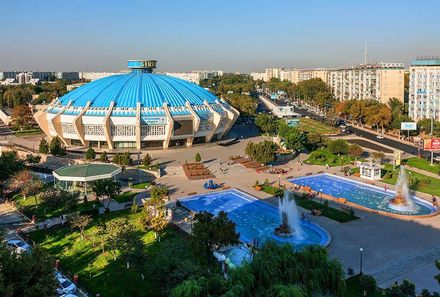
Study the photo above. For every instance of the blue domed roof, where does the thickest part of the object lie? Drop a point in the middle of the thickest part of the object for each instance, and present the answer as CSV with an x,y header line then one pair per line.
x,y
150,89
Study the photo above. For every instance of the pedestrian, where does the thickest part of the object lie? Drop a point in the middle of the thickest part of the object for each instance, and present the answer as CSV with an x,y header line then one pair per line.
x,y
326,166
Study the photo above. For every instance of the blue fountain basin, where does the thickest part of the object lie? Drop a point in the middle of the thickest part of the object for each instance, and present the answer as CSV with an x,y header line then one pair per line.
x,y
255,220
368,196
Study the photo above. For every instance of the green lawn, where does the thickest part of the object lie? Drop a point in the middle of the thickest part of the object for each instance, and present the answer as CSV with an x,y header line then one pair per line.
x,y
329,212
141,185
354,289
28,132
324,156
310,125
167,262
125,197
417,181
422,164
43,212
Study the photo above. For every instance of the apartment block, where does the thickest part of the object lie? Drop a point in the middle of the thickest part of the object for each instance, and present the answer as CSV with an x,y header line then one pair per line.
x,y
380,81
424,88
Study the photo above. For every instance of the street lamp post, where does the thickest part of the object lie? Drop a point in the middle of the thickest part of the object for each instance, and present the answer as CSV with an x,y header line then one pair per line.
x,y
321,195
279,181
361,250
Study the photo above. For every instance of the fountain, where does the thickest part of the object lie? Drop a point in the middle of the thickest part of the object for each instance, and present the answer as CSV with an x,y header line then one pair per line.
x,y
290,225
402,201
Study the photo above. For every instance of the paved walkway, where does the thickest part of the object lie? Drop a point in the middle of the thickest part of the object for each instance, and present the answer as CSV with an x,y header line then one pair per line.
x,y
424,172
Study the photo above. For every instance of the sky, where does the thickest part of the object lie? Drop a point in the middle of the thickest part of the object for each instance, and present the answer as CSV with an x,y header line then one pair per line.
x,y
234,36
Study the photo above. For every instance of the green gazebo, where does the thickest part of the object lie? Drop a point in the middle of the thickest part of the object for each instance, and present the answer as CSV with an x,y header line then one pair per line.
x,y
76,177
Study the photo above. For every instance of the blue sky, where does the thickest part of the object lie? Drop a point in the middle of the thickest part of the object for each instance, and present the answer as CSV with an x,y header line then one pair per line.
x,y
243,36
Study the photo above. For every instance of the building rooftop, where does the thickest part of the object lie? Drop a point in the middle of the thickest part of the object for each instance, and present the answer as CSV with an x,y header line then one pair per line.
x,y
87,172
141,85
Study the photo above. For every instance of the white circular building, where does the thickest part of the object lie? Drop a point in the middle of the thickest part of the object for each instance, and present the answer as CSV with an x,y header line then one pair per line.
x,y
138,110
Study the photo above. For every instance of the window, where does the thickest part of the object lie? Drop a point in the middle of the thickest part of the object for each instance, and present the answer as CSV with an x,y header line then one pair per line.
x,y
93,130
122,130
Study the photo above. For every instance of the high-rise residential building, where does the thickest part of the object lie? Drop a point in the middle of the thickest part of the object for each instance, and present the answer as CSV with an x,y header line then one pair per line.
x,y
272,73
24,78
196,76
258,75
424,88
380,81
96,75
298,75
67,75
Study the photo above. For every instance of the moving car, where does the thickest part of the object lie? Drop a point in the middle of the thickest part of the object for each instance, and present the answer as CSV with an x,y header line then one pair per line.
x,y
18,246
380,136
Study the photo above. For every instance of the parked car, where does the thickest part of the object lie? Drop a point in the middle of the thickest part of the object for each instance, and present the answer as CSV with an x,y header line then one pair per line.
x,y
65,286
18,246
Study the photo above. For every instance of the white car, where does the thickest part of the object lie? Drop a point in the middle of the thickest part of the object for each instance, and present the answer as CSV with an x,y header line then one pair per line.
x,y
379,136
18,246
65,286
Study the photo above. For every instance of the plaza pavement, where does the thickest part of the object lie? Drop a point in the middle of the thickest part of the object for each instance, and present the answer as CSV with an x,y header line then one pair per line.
x,y
394,249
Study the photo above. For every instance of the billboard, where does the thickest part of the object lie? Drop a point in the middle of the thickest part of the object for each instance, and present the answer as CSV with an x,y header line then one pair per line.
x,y
409,126
432,144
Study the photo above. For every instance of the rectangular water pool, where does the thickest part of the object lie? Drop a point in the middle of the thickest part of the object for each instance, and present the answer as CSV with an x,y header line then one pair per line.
x,y
360,193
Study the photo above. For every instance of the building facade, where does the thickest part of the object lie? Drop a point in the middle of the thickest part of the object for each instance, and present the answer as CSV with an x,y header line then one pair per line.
x,y
138,110
299,75
196,76
96,75
381,82
272,73
424,89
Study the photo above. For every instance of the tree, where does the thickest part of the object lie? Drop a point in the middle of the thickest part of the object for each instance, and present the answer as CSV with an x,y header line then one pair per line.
x,y
197,158
57,198
154,216
121,237
338,146
378,156
147,160
277,270
103,157
10,164
405,289
27,275
17,95
266,123
19,180
43,148
22,117
106,189
314,140
90,154
213,232
123,159
367,283
80,222
355,150
293,138
262,152
55,147
33,159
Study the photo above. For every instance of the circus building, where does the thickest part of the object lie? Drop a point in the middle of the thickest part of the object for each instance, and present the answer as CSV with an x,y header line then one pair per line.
x,y
140,109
